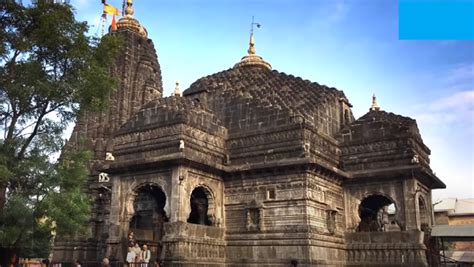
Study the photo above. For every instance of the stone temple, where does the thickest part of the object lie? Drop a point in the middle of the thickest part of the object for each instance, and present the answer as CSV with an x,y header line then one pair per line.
x,y
250,167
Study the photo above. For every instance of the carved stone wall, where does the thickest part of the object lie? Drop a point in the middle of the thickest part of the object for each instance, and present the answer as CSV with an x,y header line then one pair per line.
x,y
381,248
279,216
190,245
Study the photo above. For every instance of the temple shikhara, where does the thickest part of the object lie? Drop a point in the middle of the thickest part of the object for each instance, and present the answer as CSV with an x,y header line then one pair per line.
x,y
250,167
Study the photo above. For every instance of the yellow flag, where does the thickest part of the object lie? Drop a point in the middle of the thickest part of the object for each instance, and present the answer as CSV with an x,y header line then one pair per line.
x,y
108,9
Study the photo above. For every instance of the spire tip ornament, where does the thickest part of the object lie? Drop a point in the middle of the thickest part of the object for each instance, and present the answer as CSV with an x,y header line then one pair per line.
x,y
129,22
375,106
129,9
252,59
177,92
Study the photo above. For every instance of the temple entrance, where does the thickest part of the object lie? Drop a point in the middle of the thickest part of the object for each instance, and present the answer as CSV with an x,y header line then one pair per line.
x,y
377,214
199,207
149,217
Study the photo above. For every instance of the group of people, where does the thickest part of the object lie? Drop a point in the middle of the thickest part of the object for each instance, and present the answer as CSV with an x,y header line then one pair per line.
x,y
136,255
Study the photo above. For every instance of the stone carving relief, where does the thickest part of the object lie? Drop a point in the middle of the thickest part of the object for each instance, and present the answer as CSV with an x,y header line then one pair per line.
x,y
331,220
104,177
254,213
109,156
354,214
129,207
253,219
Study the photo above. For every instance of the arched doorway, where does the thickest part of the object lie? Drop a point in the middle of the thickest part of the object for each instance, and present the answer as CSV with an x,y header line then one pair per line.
x,y
377,214
423,214
149,217
200,202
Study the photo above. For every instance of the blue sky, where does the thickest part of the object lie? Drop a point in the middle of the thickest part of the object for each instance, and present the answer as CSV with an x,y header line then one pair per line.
x,y
352,45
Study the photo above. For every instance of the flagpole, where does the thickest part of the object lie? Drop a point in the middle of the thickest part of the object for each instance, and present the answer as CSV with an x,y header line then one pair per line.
x,y
123,8
104,21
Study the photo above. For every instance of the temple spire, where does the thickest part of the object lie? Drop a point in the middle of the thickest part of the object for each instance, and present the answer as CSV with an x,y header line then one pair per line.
x,y
129,9
177,92
252,59
129,22
375,106
251,49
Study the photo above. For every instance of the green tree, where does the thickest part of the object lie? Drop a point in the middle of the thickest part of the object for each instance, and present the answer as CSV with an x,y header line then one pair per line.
x,y
49,68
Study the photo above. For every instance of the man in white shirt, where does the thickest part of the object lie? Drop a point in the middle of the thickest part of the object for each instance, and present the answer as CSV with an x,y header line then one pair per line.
x,y
131,256
146,255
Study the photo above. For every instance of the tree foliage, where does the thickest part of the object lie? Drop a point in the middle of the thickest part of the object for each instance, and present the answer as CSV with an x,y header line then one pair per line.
x,y
49,68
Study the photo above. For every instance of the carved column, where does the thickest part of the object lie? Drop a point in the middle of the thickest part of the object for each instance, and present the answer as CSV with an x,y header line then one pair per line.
x,y
409,190
178,198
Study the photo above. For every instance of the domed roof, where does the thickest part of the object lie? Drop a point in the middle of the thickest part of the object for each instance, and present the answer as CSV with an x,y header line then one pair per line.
x,y
271,88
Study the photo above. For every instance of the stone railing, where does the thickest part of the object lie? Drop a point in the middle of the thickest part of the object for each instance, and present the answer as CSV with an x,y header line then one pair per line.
x,y
388,248
188,244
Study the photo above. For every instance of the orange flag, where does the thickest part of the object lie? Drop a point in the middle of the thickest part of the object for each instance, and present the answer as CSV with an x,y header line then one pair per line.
x,y
114,24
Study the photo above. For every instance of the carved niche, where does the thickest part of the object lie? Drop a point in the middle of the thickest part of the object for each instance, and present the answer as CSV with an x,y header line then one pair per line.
x,y
254,213
331,213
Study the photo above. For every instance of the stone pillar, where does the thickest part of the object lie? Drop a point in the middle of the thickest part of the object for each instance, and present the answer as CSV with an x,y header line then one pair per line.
x,y
177,197
121,212
409,191
113,242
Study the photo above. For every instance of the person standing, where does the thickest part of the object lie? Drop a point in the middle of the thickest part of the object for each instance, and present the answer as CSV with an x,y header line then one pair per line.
x,y
146,255
138,252
131,256
131,239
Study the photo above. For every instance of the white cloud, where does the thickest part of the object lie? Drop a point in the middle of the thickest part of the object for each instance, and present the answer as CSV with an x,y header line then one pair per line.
x,y
447,126
460,100
455,108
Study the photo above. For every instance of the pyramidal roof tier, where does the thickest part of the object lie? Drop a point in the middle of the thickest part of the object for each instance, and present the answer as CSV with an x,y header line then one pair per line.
x,y
128,22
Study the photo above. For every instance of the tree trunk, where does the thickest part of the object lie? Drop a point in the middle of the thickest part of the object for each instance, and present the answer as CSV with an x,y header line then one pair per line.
x,y
3,191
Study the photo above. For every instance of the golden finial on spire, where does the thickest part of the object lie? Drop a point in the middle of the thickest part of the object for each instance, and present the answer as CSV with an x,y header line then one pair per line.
x,y
129,8
177,92
129,22
251,49
375,106
252,59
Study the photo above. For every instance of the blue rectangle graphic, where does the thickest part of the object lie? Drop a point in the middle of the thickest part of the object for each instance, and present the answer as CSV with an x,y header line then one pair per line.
x,y
436,19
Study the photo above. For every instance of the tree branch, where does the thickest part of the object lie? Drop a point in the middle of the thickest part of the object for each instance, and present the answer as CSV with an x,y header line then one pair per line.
x,y
11,128
25,145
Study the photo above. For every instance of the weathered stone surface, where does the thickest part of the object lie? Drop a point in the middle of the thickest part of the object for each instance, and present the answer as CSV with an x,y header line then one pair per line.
x,y
252,167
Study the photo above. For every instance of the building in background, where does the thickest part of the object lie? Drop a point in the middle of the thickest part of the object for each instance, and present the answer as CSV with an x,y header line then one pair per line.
x,y
456,216
454,211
